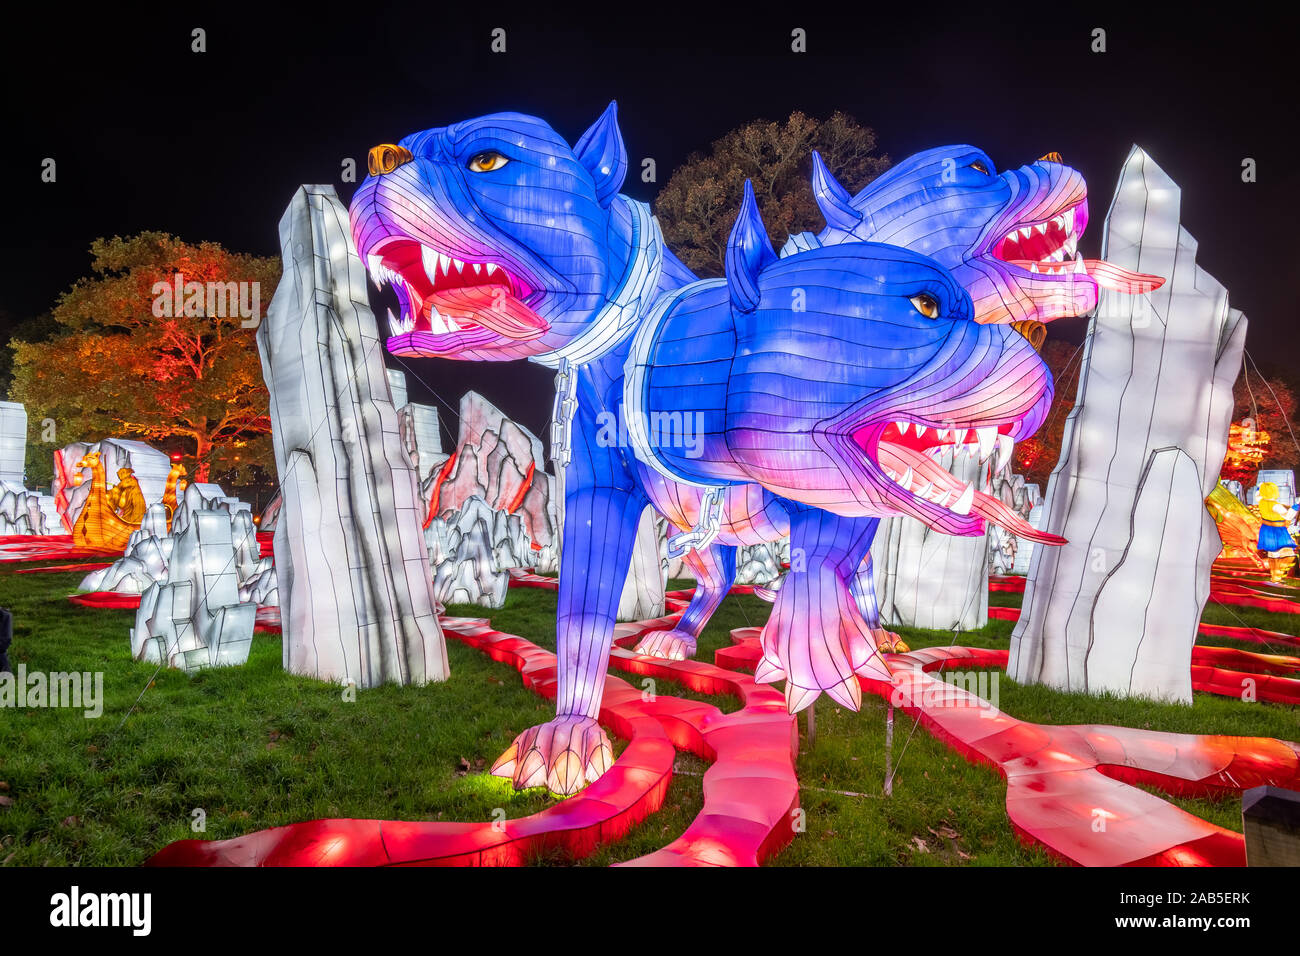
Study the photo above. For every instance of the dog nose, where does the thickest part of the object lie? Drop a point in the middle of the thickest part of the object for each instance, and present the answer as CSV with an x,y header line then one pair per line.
x,y
1052,157
386,157
1034,331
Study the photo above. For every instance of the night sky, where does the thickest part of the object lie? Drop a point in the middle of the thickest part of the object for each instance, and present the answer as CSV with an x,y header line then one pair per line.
x,y
148,135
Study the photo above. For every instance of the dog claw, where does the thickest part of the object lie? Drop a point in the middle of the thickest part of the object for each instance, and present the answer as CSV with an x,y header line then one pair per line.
x,y
563,755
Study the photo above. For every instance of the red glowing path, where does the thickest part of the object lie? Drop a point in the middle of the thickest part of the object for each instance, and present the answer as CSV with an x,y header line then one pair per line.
x,y
1066,786
749,792
1062,781
47,547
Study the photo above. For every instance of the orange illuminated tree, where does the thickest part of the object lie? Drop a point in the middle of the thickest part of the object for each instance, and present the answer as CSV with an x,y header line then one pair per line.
x,y
179,370
1036,457
1247,447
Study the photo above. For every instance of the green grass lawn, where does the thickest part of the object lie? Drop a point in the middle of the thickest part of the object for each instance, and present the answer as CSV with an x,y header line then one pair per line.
x,y
254,747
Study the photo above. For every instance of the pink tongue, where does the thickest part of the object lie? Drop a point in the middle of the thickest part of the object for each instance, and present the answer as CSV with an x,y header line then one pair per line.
x,y
1117,279
993,510
987,507
493,307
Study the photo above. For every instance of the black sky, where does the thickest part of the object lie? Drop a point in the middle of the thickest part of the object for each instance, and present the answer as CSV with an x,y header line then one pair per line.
x,y
148,135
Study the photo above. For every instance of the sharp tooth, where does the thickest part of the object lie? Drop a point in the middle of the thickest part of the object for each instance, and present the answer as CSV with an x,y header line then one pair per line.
x,y
962,505
902,427
924,490
891,473
941,498
906,480
460,266
1079,267
1026,232
375,263
941,434
491,268
1033,267
436,324
920,429
1005,445
394,326
444,264
1059,221
1041,227
1071,244
452,324
1069,219
477,268
987,438
429,259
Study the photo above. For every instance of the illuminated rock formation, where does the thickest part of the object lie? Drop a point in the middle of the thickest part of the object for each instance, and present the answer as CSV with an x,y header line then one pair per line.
x,y
26,512
472,549
355,586
195,619
1116,609
13,443
1004,547
149,549
496,469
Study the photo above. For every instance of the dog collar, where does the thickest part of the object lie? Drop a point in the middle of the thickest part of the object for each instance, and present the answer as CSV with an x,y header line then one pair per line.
x,y
632,297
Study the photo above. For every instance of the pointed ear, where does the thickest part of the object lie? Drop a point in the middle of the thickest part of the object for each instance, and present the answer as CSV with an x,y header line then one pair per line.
x,y
832,198
749,251
602,152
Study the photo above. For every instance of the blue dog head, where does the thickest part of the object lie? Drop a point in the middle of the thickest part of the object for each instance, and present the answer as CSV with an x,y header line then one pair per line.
x,y
832,376
494,232
1009,238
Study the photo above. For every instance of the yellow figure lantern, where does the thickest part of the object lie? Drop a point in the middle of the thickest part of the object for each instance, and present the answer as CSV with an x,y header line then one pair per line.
x,y
1275,542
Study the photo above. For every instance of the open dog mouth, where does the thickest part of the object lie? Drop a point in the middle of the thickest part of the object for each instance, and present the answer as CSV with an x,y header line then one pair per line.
x,y
448,304
1049,247
906,452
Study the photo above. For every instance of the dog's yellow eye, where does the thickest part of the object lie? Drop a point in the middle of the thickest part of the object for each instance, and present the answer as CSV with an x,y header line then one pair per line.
x,y
926,305
487,161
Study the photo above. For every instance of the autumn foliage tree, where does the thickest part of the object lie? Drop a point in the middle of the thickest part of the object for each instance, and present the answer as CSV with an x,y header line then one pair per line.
x,y
1270,402
698,204
1035,457
187,380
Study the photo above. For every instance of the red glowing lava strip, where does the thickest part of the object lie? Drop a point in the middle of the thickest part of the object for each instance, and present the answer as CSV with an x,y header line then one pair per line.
x,y
1247,634
523,578
266,544
1004,613
751,790
1062,780
629,792
1245,660
748,793
267,620
1011,583
53,568
1225,593
47,547
106,599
